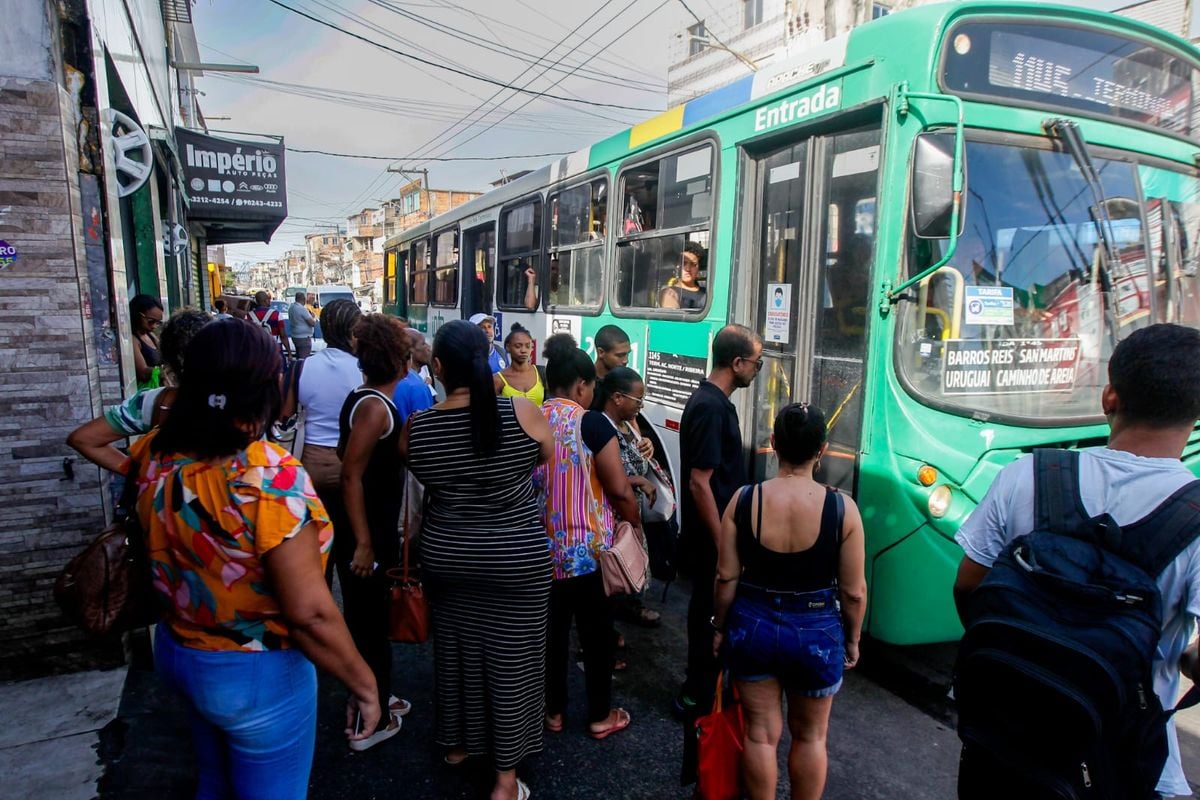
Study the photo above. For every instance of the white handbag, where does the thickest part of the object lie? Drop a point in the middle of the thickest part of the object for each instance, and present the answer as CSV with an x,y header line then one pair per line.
x,y
663,507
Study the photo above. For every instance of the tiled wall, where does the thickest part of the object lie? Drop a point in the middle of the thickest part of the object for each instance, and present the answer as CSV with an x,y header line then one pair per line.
x,y
50,374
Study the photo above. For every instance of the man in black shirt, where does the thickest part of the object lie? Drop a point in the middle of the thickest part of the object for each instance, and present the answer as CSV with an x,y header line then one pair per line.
x,y
712,468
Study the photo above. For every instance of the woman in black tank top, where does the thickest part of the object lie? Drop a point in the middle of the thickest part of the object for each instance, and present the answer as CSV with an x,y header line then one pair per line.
x,y
372,479
789,605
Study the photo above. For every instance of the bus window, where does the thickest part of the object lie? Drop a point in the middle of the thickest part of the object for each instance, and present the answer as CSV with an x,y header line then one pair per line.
x,y
445,268
520,255
663,242
1022,321
479,254
1173,219
389,278
577,228
418,285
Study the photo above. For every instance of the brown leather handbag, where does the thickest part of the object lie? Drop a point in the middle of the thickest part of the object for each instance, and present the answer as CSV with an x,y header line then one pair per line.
x,y
408,620
106,589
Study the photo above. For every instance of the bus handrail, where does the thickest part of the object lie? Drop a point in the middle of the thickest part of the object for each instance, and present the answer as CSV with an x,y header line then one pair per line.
x,y
903,95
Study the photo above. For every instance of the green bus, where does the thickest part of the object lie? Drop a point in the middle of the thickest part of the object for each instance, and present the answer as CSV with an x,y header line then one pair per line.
x,y
940,224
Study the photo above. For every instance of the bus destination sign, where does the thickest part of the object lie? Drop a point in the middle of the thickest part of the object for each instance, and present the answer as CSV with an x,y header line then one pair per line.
x,y
1073,68
1006,366
671,379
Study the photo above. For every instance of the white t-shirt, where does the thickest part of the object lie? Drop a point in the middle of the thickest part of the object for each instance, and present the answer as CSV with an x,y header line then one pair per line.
x,y
1128,487
328,377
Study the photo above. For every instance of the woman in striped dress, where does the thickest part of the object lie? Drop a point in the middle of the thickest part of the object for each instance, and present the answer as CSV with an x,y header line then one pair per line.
x,y
486,565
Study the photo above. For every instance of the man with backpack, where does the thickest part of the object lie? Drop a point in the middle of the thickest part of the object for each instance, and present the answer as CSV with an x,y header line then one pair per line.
x,y
1078,591
271,321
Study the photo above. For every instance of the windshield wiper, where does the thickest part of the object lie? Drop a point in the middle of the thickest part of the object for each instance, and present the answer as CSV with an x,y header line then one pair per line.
x,y
1068,132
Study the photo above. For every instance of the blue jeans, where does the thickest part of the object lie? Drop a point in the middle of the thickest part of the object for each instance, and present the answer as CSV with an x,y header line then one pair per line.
x,y
795,637
253,717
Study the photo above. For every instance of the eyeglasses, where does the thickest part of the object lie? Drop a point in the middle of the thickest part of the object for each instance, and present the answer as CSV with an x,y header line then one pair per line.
x,y
641,401
758,365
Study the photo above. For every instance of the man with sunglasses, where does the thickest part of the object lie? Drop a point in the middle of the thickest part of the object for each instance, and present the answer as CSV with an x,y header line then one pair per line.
x,y
712,468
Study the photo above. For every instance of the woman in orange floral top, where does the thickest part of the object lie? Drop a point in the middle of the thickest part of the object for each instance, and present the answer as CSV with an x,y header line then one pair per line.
x,y
237,542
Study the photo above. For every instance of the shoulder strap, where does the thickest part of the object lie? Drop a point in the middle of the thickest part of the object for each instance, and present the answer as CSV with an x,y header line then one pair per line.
x,y
541,371
1057,505
741,512
833,515
126,505
1154,542
758,524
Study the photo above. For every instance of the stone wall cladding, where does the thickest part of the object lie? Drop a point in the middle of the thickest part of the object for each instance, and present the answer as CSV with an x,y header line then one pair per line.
x,y
49,377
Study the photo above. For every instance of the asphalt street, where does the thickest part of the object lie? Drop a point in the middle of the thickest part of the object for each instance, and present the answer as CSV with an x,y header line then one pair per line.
x,y
894,742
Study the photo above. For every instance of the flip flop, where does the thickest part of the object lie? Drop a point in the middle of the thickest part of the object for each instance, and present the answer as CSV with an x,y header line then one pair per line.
x,y
523,792
623,720
398,706
554,725
454,762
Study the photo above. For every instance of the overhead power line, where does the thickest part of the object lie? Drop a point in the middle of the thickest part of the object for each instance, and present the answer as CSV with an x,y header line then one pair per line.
x,y
442,139
426,158
559,80
464,73
516,53
710,34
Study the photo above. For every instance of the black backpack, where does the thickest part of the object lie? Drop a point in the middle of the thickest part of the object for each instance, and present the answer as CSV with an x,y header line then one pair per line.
x,y
1054,681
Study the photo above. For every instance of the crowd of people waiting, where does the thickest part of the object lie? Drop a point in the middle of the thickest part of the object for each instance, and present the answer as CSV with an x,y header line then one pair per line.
x,y
525,471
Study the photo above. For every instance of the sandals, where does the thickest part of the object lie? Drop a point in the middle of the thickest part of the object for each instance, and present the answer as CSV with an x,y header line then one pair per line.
x,y
554,723
523,791
621,724
453,759
398,706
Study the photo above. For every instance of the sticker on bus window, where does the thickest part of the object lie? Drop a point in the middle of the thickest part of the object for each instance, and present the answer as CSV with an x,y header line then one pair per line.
x,y
988,305
1009,366
779,312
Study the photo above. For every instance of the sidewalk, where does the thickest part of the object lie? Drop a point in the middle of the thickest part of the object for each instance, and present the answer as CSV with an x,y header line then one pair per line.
x,y
51,744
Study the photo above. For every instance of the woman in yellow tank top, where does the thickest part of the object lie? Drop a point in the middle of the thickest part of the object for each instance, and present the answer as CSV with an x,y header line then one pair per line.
x,y
521,378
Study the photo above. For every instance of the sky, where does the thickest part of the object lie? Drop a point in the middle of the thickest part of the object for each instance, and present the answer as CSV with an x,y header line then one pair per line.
x,y
344,95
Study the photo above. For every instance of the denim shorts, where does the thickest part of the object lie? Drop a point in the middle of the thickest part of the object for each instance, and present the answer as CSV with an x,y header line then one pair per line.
x,y
795,637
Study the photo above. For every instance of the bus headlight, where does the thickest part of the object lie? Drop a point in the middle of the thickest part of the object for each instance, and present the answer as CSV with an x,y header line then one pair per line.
x,y
939,501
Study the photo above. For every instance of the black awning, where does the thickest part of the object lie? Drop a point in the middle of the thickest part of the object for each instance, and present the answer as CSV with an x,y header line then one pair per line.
x,y
236,188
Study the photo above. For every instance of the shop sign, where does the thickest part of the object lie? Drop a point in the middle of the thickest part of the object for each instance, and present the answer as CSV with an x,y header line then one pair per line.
x,y
230,179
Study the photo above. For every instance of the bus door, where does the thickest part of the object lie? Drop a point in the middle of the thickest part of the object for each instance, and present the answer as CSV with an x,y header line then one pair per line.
x,y
479,270
814,243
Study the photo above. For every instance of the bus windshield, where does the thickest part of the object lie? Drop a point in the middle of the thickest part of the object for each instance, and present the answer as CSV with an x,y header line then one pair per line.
x,y
1020,323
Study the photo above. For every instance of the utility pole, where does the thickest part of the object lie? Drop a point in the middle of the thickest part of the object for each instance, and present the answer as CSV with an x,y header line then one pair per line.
x,y
424,186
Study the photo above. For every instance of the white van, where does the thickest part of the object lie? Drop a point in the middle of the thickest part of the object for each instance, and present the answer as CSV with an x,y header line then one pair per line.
x,y
324,295
330,292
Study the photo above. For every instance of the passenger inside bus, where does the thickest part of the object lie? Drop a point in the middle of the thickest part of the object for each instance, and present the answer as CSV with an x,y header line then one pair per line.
x,y
685,290
521,283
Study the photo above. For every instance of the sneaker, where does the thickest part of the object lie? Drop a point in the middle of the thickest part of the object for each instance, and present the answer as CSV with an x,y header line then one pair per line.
x,y
380,735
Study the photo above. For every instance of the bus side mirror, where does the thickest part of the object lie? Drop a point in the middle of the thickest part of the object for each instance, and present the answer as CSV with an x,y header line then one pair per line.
x,y
933,186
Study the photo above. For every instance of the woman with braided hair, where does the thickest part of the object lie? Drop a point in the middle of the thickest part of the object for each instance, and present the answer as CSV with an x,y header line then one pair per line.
x,y
790,551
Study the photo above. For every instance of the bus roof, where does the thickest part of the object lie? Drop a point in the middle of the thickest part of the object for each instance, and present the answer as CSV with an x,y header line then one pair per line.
x,y
858,49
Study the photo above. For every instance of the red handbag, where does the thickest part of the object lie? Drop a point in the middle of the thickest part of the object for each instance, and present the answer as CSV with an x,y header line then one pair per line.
x,y
408,619
720,739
